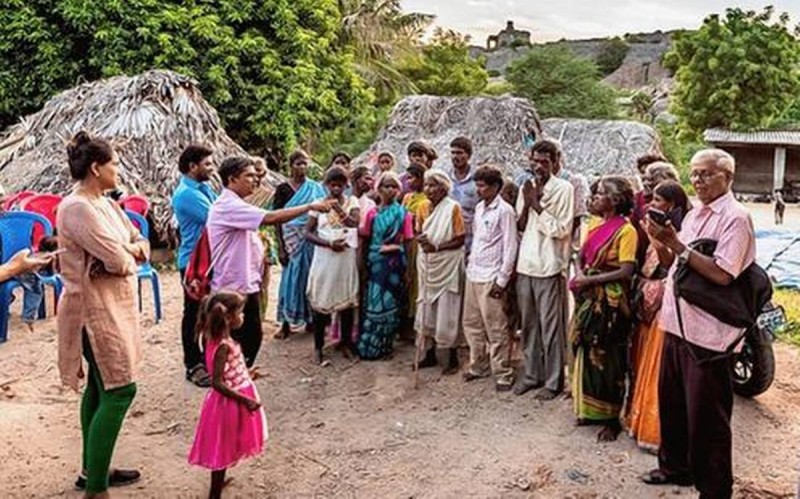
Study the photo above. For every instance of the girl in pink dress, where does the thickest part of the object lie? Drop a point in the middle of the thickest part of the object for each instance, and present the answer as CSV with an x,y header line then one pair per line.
x,y
232,423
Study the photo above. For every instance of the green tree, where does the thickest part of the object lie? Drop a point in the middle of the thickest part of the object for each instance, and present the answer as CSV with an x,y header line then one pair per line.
x,y
612,54
379,33
562,85
738,72
444,67
272,68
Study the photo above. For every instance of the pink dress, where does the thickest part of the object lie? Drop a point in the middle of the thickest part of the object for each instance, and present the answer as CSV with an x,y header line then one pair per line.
x,y
227,432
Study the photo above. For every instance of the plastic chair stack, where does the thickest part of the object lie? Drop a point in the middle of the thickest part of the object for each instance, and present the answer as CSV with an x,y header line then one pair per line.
x,y
146,270
45,205
12,200
16,233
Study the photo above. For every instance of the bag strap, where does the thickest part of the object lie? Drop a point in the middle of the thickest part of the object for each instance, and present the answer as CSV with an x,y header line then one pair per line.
x,y
728,351
214,258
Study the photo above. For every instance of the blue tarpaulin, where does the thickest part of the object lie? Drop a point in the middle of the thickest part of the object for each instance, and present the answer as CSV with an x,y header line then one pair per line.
x,y
778,251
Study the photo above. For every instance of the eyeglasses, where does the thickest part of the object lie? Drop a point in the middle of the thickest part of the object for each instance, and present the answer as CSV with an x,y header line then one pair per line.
x,y
702,175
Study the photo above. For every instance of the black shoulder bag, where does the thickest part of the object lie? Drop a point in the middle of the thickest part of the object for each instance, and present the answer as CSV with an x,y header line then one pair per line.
x,y
738,304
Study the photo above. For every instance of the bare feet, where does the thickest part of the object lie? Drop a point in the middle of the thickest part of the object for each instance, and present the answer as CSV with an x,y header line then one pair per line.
x,y
609,432
546,394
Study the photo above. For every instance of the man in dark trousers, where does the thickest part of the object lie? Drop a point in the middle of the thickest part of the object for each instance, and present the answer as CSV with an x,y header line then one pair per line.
x,y
695,393
191,202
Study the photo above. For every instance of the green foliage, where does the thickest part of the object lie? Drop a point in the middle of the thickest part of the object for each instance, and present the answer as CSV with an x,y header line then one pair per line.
x,y
498,88
642,106
789,118
444,67
380,33
272,68
679,151
611,56
352,137
562,85
738,72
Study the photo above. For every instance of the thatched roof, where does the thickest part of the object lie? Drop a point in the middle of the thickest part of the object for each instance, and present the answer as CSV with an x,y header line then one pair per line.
x,y
600,147
149,119
496,125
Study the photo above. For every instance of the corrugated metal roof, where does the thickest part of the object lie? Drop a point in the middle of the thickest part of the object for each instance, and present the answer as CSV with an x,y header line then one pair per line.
x,y
765,137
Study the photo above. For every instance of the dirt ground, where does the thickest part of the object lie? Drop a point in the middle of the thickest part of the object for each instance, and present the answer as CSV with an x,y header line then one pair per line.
x,y
357,429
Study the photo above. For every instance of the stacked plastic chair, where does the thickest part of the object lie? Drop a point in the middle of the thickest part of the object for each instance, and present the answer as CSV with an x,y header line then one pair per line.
x,y
45,205
12,200
146,270
16,234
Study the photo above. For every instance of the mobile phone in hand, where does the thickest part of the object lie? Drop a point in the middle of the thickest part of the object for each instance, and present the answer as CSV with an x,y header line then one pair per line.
x,y
657,216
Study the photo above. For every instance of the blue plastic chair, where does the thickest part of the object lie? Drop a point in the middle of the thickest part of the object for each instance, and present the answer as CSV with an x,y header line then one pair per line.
x,y
16,232
146,270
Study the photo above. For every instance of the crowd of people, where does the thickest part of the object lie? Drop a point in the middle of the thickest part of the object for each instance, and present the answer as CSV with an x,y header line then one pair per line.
x,y
578,274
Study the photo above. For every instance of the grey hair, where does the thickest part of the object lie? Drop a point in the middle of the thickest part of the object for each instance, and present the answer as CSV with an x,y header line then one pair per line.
x,y
663,170
390,175
621,189
716,157
440,178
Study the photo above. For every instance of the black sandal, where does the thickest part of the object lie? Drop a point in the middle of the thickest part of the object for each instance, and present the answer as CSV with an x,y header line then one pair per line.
x,y
658,477
116,478
199,376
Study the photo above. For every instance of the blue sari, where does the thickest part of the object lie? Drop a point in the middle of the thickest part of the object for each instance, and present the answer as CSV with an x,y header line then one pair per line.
x,y
383,300
293,307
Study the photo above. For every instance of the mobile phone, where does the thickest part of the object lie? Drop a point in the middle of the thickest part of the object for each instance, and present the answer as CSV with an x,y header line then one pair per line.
x,y
657,216
48,254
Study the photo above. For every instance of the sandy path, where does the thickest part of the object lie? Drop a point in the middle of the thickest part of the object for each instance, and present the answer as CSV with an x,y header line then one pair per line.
x,y
357,430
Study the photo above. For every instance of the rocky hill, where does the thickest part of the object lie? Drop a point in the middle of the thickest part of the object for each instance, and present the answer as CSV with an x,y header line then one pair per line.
x,y
641,66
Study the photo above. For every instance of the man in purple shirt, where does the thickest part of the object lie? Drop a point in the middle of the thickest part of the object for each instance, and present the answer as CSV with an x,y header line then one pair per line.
x,y
236,250
695,393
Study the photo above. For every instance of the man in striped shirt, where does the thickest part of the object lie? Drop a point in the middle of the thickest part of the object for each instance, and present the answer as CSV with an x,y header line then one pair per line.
x,y
490,267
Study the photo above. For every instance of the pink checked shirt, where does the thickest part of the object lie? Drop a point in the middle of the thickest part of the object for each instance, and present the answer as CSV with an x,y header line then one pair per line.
x,y
727,222
494,243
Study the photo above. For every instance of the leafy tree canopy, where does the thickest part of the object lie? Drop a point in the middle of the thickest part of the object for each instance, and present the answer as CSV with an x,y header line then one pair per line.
x,y
444,67
562,85
612,54
272,68
736,72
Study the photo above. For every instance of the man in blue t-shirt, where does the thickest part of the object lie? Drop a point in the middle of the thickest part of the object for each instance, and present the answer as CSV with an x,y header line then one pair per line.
x,y
191,203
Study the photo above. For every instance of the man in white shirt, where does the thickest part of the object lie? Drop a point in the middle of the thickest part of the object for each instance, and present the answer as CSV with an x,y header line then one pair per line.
x,y
545,216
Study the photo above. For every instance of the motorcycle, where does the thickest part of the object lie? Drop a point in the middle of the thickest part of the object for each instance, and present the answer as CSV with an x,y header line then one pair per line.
x,y
753,367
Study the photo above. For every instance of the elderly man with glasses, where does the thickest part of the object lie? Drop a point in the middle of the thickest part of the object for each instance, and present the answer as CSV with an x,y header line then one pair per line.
x,y
695,387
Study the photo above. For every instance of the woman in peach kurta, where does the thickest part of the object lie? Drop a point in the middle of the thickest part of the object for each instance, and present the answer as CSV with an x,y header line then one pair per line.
x,y
98,315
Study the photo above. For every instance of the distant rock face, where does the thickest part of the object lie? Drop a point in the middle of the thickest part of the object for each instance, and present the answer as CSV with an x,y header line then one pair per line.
x,y
641,67
600,147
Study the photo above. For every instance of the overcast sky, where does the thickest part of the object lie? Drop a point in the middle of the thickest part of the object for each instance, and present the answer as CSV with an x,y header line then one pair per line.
x,y
552,20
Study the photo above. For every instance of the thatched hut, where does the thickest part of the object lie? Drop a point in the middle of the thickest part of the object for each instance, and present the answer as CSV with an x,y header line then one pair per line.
x,y
498,127
602,147
149,119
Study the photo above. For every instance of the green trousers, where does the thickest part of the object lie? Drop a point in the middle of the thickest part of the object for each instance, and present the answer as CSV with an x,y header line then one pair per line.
x,y
102,412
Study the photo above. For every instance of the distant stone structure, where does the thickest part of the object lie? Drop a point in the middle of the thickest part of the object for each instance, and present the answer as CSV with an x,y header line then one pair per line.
x,y
642,66
508,38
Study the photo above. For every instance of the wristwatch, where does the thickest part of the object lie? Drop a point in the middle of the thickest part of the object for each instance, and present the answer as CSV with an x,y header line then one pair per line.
x,y
683,258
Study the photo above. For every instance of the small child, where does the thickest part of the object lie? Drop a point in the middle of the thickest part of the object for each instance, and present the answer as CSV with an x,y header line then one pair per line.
x,y
509,193
232,424
31,283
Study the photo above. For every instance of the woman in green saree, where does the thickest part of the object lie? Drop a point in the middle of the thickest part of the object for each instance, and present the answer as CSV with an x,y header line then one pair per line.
x,y
602,322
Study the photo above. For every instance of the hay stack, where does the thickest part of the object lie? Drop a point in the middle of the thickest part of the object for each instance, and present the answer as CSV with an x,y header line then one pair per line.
x,y
496,125
148,118
601,147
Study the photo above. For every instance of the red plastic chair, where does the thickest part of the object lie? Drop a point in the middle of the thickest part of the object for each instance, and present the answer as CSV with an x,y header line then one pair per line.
x,y
45,205
14,199
137,204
